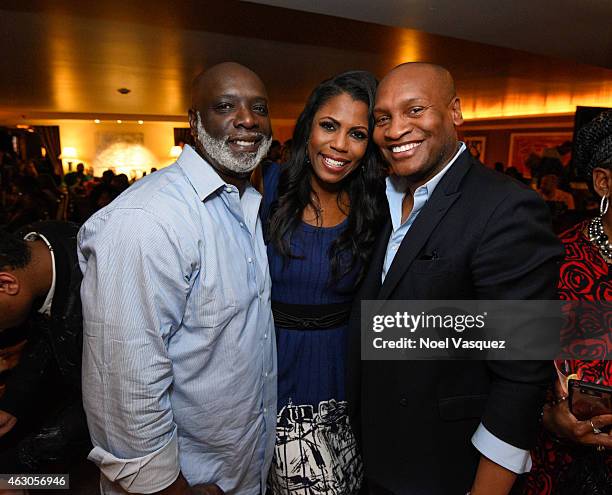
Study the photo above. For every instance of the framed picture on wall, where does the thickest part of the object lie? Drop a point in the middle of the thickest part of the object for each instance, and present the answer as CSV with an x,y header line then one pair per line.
x,y
106,139
529,147
476,145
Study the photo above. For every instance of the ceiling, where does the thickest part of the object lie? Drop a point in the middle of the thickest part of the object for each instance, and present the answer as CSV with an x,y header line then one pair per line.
x,y
580,31
66,58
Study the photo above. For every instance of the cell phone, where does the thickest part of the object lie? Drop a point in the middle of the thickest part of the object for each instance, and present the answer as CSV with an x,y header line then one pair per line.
x,y
588,399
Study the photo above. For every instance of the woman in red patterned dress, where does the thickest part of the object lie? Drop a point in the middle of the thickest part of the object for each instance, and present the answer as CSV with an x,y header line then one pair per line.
x,y
575,457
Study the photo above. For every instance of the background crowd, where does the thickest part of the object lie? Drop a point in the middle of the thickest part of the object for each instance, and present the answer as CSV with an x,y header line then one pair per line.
x,y
31,191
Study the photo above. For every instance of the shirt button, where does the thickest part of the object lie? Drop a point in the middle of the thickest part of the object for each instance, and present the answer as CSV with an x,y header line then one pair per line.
x,y
250,260
242,224
265,410
265,335
228,189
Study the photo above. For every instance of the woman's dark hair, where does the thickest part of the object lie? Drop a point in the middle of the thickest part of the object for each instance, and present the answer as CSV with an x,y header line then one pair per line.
x,y
364,186
594,144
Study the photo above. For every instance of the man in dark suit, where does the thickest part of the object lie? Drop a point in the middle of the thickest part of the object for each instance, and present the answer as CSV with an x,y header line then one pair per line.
x,y
42,423
456,230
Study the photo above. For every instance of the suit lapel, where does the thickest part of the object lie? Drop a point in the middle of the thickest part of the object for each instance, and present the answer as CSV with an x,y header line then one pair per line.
x,y
445,194
372,282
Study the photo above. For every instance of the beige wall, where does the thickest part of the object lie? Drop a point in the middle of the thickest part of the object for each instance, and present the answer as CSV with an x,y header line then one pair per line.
x,y
158,137
82,135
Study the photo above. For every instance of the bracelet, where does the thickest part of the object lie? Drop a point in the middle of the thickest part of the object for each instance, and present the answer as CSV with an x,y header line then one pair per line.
x,y
558,401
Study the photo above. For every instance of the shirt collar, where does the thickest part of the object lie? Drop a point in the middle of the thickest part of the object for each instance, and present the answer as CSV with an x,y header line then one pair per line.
x,y
202,176
205,179
45,309
397,187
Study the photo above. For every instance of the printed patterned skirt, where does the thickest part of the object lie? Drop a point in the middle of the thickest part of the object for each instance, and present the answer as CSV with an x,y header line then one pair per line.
x,y
316,451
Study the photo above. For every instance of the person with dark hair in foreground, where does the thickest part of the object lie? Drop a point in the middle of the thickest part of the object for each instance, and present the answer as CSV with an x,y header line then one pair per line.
x,y
325,208
573,457
42,422
456,230
179,362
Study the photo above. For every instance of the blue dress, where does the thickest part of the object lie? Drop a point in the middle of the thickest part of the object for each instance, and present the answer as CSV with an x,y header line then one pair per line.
x,y
315,447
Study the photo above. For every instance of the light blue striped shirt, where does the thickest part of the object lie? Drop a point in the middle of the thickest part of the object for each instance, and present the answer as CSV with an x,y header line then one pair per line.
x,y
179,357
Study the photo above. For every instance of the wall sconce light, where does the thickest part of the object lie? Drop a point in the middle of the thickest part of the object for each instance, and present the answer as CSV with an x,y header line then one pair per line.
x,y
70,155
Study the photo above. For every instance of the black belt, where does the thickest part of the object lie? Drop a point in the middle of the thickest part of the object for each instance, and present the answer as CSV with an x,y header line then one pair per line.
x,y
310,316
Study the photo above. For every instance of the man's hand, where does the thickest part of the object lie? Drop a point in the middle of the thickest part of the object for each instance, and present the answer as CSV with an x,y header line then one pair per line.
x,y
7,421
208,489
181,487
561,422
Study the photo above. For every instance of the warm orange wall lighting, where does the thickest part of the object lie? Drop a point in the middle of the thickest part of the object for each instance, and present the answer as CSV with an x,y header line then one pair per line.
x,y
534,104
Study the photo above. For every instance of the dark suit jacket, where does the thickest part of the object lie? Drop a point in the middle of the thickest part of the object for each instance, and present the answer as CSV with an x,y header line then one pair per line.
x,y
493,240
44,390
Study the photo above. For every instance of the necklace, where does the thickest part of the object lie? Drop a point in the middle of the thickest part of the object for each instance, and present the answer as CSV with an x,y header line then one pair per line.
x,y
598,237
316,206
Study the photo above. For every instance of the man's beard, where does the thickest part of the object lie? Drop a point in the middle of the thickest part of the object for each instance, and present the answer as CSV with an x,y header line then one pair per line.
x,y
219,151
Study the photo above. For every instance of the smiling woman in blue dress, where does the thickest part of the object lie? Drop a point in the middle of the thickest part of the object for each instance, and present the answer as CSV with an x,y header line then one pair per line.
x,y
322,210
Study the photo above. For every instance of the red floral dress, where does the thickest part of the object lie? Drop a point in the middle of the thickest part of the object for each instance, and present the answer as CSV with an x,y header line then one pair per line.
x,y
584,276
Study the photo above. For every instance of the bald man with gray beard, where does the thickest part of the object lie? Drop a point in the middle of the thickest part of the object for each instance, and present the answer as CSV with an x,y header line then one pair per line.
x,y
179,362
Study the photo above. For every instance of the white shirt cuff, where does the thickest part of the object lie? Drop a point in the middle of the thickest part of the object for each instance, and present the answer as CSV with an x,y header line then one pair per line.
x,y
148,474
512,458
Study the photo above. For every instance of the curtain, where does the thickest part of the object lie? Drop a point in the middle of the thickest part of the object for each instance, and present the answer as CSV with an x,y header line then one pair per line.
x,y
183,134
50,138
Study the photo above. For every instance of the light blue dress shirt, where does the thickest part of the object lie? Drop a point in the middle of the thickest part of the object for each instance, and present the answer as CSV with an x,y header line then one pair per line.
x,y
179,357
506,455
